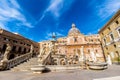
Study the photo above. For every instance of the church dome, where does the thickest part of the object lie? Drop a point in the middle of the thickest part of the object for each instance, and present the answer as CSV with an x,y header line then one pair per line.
x,y
73,30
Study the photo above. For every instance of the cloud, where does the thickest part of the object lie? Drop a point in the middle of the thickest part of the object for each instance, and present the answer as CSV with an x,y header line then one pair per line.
x,y
11,11
49,35
108,8
3,26
56,8
102,11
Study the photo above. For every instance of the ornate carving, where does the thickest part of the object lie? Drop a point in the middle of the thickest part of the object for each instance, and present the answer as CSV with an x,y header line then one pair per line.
x,y
3,64
41,53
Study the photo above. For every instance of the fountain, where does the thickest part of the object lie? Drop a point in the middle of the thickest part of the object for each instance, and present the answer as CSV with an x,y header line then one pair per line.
x,y
94,65
40,67
44,55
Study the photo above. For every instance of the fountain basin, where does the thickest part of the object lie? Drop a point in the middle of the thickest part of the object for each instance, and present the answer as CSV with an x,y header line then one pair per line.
x,y
97,66
38,68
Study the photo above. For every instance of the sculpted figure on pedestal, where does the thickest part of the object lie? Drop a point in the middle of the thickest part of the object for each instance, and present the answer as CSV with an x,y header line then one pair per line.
x,y
7,52
41,53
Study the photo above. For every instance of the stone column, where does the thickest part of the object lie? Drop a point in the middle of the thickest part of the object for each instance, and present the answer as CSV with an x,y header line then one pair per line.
x,y
82,53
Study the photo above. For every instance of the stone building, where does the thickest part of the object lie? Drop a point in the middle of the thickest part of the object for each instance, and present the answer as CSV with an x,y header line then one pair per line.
x,y
14,46
76,47
110,38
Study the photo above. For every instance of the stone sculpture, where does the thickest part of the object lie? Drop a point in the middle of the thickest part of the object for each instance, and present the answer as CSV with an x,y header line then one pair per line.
x,y
7,52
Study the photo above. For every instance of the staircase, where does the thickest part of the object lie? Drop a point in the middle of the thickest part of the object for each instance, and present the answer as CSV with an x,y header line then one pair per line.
x,y
26,65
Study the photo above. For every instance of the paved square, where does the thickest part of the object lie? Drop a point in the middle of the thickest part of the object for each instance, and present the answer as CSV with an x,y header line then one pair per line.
x,y
110,78
112,73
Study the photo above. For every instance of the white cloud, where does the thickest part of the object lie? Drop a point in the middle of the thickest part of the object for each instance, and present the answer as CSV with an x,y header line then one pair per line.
x,y
10,9
102,11
3,26
108,8
56,8
49,35
59,34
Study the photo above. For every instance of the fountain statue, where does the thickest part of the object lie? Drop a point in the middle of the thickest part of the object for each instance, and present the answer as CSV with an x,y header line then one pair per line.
x,y
3,63
41,57
40,54
93,56
109,60
7,51
82,54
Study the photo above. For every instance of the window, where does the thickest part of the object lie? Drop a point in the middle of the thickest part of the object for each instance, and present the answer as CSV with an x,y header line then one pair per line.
x,y
14,48
104,41
91,40
108,28
75,39
88,50
118,30
98,39
115,46
106,48
6,39
117,22
14,41
102,33
111,37
96,50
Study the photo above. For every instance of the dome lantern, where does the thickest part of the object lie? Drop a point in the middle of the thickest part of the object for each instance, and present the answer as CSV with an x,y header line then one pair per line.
x,y
73,30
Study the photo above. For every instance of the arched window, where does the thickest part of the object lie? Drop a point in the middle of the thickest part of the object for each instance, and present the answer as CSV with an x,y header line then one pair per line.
x,y
111,37
14,48
118,31
75,39
4,47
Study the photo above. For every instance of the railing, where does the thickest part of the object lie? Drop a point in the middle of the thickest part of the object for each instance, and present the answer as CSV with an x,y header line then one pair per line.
x,y
47,58
13,62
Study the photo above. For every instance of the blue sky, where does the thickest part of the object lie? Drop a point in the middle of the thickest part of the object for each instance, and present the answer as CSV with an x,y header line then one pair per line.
x,y
37,19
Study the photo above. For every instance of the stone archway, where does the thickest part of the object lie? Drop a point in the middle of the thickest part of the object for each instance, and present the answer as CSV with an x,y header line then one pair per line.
x,y
19,50
13,49
4,47
11,56
62,62
55,61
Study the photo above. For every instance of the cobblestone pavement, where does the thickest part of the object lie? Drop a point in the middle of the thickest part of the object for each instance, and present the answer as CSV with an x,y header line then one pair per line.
x,y
112,71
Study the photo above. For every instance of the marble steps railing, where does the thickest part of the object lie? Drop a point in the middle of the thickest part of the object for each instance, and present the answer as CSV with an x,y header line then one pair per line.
x,y
5,65
26,65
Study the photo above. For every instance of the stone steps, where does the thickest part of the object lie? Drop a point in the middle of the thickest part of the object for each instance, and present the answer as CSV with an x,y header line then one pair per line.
x,y
26,65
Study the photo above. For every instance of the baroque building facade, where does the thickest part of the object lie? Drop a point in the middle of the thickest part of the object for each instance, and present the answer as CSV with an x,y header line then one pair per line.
x,y
72,49
76,47
110,38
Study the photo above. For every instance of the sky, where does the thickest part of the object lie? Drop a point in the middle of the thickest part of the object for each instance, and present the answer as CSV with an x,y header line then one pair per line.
x,y
38,19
